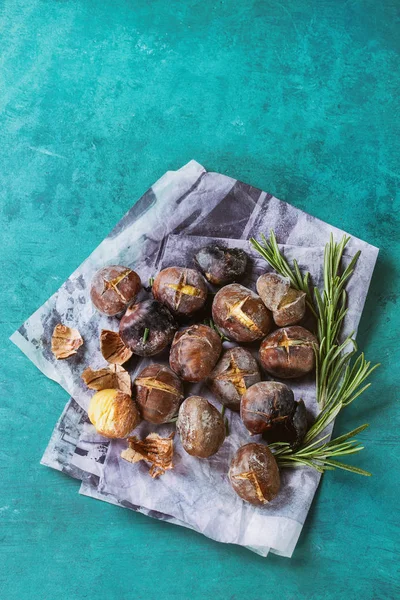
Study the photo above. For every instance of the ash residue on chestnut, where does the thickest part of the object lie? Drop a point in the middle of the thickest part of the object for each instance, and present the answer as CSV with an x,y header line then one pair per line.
x,y
152,316
159,393
288,352
254,474
201,427
221,265
236,371
183,291
114,288
194,352
287,304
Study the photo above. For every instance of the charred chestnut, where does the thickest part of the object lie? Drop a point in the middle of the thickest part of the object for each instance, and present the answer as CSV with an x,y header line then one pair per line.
x,y
288,352
221,265
254,474
240,314
287,304
201,427
236,371
147,328
114,288
159,393
184,291
194,352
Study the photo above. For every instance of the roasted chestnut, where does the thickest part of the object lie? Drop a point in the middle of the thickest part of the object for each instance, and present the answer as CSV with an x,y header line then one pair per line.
x,y
287,304
147,328
269,408
114,288
184,291
254,474
113,413
240,314
236,371
194,352
288,352
201,427
159,393
221,265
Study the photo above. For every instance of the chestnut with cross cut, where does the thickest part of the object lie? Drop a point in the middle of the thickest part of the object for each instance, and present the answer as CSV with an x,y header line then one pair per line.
x,y
194,352
114,288
159,393
254,474
184,291
240,314
288,352
236,371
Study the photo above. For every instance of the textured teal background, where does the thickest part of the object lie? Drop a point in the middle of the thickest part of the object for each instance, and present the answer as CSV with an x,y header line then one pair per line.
x,y
97,100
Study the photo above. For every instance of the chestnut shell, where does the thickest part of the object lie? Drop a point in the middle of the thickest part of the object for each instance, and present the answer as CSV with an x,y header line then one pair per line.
x,y
194,352
201,427
236,371
288,352
159,393
150,315
221,265
240,314
183,290
114,288
254,474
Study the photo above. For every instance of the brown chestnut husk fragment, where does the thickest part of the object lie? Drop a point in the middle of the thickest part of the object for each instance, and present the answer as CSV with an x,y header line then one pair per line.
x,y
201,427
159,393
240,314
114,288
194,352
288,352
184,291
113,348
147,328
254,474
65,341
269,408
221,265
154,449
287,304
236,371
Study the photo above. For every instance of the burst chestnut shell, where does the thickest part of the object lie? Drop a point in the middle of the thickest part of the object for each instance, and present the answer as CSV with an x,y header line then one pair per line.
x,y
114,288
288,352
183,291
254,474
159,393
113,413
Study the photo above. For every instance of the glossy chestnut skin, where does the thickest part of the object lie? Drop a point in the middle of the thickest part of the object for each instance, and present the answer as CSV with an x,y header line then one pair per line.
x,y
114,288
288,352
149,315
159,393
236,371
194,352
201,427
254,474
221,265
183,291
240,314
287,304
269,408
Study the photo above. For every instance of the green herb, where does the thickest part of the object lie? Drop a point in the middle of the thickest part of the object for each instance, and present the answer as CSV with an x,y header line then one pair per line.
x,y
210,323
146,335
151,281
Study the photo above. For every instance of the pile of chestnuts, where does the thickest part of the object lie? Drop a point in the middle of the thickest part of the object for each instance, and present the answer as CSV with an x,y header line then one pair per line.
x,y
266,321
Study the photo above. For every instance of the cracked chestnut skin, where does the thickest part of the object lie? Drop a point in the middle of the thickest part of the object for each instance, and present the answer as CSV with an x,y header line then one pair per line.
x,y
149,315
114,288
221,265
183,291
194,352
288,352
240,314
236,371
254,474
201,427
159,393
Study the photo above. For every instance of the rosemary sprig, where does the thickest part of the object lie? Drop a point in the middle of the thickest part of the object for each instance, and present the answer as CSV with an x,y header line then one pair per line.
x,y
151,281
211,324
145,335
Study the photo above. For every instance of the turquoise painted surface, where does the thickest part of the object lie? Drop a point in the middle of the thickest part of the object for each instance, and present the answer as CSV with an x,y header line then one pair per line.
x,y
97,100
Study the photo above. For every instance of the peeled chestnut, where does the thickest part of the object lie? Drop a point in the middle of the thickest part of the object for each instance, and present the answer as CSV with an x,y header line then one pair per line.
x,y
287,304
114,288
147,328
288,352
194,352
184,291
254,474
269,408
159,393
113,413
221,265
201,427
240,314
236,371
